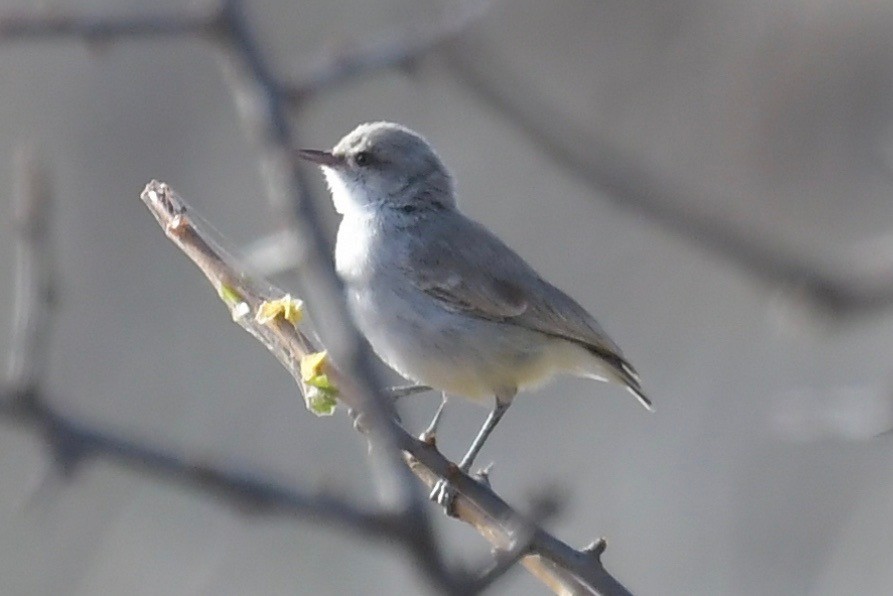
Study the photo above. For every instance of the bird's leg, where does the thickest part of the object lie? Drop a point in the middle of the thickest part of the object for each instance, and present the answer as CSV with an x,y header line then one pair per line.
x,y
431,432
442,492
481,438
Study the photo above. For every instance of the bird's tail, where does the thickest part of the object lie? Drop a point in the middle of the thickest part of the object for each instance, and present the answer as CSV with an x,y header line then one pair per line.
x,y
631,379
623,373
609,366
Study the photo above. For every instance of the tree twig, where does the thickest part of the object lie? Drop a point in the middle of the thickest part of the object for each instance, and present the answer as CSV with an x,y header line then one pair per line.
x,y
398,50
264,109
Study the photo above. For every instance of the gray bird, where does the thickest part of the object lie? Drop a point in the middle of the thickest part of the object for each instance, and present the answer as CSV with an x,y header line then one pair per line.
x,y
441,299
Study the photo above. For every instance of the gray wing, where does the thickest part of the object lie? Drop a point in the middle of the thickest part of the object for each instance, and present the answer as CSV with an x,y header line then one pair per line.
x,y
467,269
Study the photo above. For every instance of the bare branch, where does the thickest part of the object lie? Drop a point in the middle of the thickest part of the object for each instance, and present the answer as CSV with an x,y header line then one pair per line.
x,y
558,565
73,442
53,25
606,167
264,112
398,50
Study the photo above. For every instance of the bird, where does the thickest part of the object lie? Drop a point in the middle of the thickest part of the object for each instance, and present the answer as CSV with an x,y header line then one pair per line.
x,y
440,298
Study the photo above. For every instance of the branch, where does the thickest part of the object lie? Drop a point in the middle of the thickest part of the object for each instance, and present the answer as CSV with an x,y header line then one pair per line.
x,y
51,25
73,442
264,110
604,166
561,567
398,50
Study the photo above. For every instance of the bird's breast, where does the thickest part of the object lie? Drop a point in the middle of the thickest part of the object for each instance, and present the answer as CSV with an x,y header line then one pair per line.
x,y
355,250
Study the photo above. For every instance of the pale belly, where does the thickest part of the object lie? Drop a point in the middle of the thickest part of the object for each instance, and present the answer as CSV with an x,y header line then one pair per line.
x,y
455,353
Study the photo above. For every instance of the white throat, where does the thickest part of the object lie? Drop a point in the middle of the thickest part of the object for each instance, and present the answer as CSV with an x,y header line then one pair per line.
x,y
349,198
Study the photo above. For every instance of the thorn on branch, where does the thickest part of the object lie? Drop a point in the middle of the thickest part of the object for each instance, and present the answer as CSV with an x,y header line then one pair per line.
x,y
596,549
483,475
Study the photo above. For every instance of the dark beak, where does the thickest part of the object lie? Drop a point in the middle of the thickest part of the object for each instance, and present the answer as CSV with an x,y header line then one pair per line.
x,y
321,158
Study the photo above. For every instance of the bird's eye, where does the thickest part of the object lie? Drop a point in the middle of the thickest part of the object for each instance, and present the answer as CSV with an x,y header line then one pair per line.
x,y
362,158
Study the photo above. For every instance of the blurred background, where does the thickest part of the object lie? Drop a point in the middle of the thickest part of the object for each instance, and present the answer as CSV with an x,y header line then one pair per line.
x,y
763,127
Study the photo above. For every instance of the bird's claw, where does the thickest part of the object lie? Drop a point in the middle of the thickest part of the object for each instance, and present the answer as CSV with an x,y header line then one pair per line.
x,y
444,495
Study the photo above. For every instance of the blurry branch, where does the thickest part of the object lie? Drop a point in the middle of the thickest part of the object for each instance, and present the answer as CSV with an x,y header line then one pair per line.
x,y
558,565
47,24
398,50
264,110
73,443
609,169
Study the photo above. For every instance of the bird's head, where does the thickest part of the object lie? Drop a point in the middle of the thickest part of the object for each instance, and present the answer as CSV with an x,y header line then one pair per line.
x,y
384,165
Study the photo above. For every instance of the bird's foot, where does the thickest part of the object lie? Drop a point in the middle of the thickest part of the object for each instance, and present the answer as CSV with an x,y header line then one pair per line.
x,y
444,495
